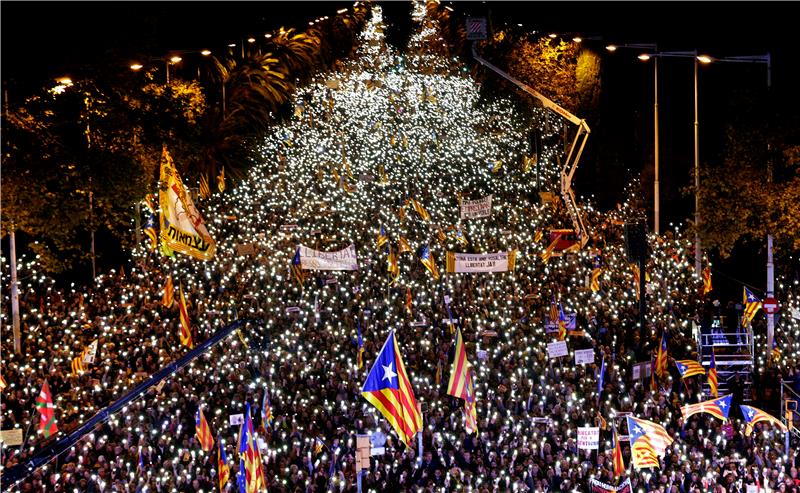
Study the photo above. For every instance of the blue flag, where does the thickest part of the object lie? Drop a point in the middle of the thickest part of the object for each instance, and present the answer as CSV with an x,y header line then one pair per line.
x,y
601,377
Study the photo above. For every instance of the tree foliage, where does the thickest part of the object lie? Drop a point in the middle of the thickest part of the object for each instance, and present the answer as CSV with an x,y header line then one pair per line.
x,y
75,160
738,203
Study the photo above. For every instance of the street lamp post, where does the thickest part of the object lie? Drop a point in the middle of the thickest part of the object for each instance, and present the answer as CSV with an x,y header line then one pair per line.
x,y
656,185
767,60
698,257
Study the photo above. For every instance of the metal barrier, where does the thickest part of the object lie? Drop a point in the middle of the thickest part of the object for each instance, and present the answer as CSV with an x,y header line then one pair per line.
x,y
13,475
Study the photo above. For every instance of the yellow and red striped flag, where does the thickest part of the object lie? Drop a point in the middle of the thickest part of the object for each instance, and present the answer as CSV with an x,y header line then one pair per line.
x,y
545,255
648,441
617,459
202,431
223,470
689,368
719,408
661,356
751,306
169,291
426,257
596,279
713,383
186,329
388,388
707,287
423,214
753,415
457,386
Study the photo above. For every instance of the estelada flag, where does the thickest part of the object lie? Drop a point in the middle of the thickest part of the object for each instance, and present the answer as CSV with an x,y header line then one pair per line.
x,y
388,388
202,431
47,411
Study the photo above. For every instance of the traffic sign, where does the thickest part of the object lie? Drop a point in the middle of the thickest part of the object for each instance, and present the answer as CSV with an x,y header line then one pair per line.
x,y
476,28
770,305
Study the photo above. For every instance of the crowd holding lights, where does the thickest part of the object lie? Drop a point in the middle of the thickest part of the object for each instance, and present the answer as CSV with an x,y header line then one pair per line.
x,y
384,129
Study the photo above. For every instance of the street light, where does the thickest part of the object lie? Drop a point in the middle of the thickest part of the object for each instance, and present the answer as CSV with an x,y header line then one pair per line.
x,y
704,59
767,60
656,185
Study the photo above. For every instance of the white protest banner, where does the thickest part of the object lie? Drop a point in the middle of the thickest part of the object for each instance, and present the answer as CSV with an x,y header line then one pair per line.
x,y
11,437
641,370
473,209
557,349
236,419
589,438
584,356
311,259
481,262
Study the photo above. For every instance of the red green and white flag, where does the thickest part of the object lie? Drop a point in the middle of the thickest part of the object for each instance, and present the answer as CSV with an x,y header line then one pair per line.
x,y
47,411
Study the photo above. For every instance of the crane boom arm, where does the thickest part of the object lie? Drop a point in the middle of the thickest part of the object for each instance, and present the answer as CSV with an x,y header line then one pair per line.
x,y
575,150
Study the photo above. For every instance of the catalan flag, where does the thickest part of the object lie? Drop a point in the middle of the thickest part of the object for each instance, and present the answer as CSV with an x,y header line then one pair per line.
x,y
150,231
648,441
545,255
458,372
719,408
537,237
409,302
713,383
392,266
553,314
47,411
381,239
751,306
360,356
250,472
661,356
595,285
689,368
297,269
403,246
168,296
470,404
221,180
461,238
707,287
426,257
318,446
81,363
617,459
423,214
205,191
562,323
202,431
186,328
3,383
388,388
223,470
266,411
753,415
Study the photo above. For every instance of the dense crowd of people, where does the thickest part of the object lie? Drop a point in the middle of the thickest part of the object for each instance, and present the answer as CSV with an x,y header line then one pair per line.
x,y
302,352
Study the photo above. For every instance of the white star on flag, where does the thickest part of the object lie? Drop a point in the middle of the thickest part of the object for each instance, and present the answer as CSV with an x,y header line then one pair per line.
x,y
388,374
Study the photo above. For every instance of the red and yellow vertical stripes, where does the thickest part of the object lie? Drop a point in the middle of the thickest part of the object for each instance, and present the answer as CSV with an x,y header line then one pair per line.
x,y
185,325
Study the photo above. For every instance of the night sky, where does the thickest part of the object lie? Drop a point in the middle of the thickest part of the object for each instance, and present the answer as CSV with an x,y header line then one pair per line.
x,y
43,40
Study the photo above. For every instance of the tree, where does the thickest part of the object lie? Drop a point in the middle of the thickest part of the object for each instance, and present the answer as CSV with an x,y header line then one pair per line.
x,y
737,201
